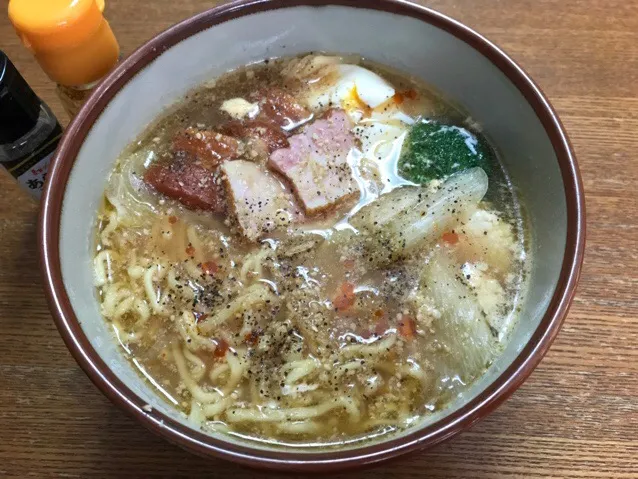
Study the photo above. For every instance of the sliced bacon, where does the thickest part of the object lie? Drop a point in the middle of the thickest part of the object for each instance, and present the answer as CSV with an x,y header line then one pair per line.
x,y
258,200
264,131
316,163
189,183
192,175
280,107
208,147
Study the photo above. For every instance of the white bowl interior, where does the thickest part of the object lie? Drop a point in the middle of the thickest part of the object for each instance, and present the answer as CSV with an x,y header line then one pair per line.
x,y
413,46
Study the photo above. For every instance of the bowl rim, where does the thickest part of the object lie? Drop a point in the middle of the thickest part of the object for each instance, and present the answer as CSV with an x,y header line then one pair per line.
x,y
202,444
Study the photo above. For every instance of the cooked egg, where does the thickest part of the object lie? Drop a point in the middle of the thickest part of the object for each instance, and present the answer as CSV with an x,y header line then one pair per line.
x,y
352,84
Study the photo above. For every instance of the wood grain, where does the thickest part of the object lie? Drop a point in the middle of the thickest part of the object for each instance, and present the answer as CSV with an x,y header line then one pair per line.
x,y
576,417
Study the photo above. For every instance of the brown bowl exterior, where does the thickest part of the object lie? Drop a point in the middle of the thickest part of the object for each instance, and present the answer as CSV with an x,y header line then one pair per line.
x,y
204,445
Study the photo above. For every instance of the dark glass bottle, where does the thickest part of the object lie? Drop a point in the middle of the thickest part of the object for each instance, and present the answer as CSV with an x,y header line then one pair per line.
x,y
29,132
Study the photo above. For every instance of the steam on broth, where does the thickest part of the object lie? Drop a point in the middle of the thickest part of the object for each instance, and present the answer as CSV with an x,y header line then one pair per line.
x,y
314,249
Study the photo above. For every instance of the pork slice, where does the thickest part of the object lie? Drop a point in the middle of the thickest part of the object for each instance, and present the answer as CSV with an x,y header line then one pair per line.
x,y
258,200
280,108
191,184
207,147
263,131
316,163
191,176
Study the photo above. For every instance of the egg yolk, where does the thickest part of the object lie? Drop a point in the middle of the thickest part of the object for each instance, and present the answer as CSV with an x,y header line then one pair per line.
x,y
354,102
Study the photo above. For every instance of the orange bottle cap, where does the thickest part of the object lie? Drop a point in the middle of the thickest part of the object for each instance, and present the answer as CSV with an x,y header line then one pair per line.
x,y
71,40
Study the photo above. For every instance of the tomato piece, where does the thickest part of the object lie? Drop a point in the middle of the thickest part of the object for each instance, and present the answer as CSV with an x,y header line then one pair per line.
x,y
382,326
345,297
450,238
407,327
221,349
199,317
172,219
252,337
348,264
190,251
210,268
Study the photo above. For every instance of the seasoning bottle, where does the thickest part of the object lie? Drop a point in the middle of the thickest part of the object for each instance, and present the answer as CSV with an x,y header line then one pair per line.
x,y
71,41
29,132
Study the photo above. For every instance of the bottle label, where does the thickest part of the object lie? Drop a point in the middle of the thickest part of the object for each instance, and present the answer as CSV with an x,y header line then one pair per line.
x,y
31,171
33,179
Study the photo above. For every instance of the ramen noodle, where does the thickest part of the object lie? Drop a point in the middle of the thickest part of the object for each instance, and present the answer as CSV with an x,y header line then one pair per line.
x,y
311,250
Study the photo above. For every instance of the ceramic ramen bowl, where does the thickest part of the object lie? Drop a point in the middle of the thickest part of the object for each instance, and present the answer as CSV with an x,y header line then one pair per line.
x,y
460,63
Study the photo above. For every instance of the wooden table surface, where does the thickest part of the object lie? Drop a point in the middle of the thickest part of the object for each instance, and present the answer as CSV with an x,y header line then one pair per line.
x,y
577,415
